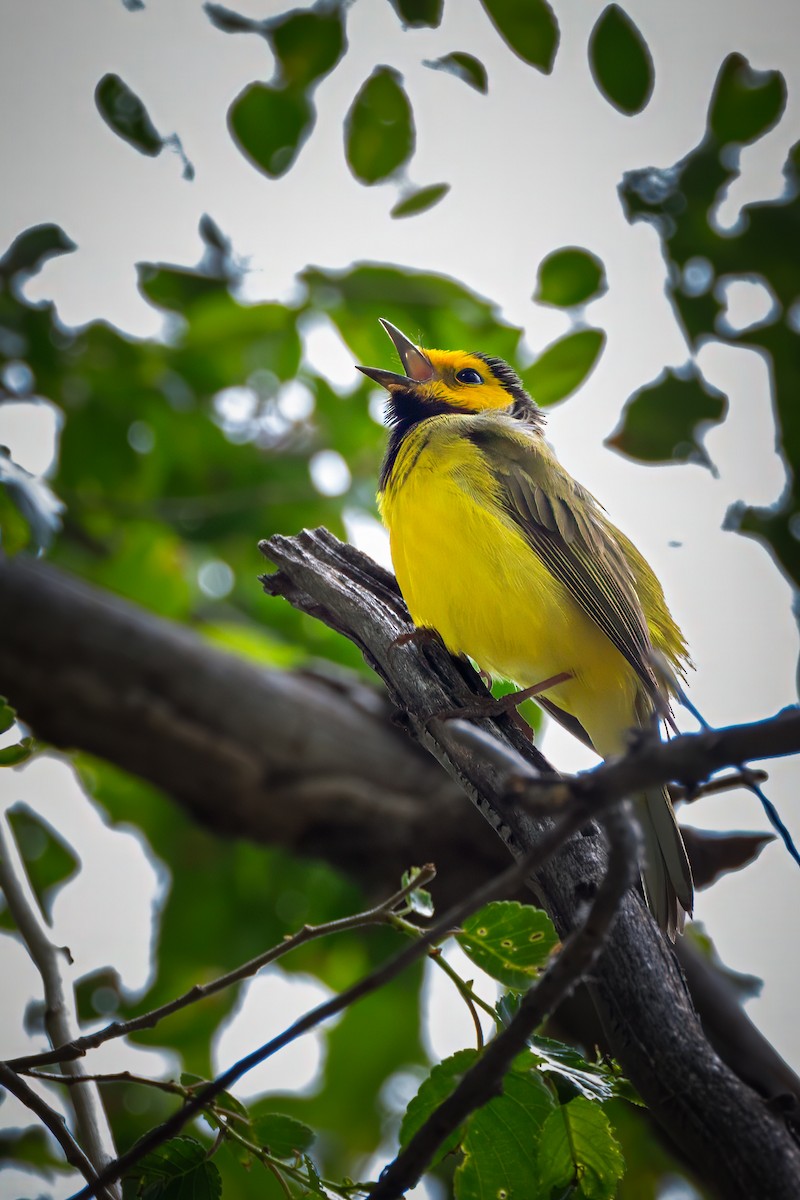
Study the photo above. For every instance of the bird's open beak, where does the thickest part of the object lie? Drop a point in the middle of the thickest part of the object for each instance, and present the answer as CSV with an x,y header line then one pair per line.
x,y
416,365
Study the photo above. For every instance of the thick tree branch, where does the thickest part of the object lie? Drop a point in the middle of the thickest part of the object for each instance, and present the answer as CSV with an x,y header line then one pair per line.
x,y
721,1126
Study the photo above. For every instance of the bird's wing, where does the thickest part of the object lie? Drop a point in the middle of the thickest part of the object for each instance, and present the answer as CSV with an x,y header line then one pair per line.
x,y
565,527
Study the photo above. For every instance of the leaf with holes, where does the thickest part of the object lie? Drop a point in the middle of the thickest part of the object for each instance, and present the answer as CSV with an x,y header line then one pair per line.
x,y
620,60
379,128
124,113
501,1142
568,277
509,941
464,66
664,421
528,27
563,366
420,200
578,1151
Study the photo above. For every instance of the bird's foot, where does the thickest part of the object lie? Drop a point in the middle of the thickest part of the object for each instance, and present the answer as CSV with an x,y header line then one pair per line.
x,y
489,706
417,637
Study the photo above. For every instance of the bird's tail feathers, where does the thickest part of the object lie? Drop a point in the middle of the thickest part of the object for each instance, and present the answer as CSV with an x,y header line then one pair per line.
x,y
666,874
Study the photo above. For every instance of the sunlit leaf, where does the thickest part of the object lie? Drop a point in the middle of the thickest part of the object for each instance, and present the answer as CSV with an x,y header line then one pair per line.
x,y
418,14
563,366
620,60
179,1170
664,421
501,1141
32,248
379,128
420,200
270,124
595,1080
433,1090
509,941
746,103
464,66
529,28
568,277
126,115
578,1151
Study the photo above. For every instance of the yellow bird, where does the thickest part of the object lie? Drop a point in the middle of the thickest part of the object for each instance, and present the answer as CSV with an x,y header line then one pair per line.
x,y
497,548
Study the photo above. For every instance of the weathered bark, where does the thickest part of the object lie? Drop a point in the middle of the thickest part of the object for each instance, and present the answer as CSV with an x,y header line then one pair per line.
x,y
304,761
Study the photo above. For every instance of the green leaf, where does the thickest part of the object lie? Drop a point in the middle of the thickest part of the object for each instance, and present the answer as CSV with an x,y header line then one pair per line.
x,y
563,366
420,200
20,752
528,27
379,128
419,900
269,125
620,61
501,1142
509,941
464,66
179,1170
8,715
307,44
746,103
50,860
568,277
282,1136
664,421
38,505
433,1090
32,248
578,1150
124,113
418,14
595,1080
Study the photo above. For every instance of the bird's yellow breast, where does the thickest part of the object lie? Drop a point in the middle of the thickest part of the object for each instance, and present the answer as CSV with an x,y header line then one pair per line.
x,y
466,571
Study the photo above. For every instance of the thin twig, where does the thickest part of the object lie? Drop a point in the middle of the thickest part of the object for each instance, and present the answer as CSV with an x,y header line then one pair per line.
x,y
372,916
61,1017
483,1081
501,885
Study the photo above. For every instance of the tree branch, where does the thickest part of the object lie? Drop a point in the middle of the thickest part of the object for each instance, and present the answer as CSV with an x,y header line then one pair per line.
x,y
60,1014
722,1127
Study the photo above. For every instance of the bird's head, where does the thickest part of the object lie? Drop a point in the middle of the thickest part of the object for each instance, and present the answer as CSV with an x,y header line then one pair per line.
x,y
448,381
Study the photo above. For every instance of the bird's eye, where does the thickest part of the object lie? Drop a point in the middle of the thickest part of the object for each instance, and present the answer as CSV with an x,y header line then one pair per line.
x,y
468,375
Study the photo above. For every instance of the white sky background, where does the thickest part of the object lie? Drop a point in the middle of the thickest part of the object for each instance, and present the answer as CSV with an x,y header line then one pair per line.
x,y
533,166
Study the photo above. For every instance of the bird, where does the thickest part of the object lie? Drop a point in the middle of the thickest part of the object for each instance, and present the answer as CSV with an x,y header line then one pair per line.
x,y
517,566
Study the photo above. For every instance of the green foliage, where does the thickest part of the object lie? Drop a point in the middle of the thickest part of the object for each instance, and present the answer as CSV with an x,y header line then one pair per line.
x,y
569,277
126,115
510,941
621,62
578,1151
439,1084
501,1141
379,129
665,421
50,860
270,124
420,200
563,366
177,1170
464,66
528,27
37,506
31,249
417,14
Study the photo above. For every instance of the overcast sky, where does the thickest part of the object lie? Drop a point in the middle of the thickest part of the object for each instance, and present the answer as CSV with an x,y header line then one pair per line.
x,y
533,166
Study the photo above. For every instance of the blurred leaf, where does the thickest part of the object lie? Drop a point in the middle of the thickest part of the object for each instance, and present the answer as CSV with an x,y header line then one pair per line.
x,y
713,853
8,715
33,1146
37,504
563,366
464,66
510,941
578,1152
124,113
419,900
528,27
282,1136
415,14
746,103
379,128
501,1141
49,859
620,60
32,248
437,1087
20,752
179,1170
743,985
307,44
568,277
270,124
664,421
420,200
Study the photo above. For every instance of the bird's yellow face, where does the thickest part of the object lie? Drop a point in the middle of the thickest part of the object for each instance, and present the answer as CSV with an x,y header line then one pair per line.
x,y
438,381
